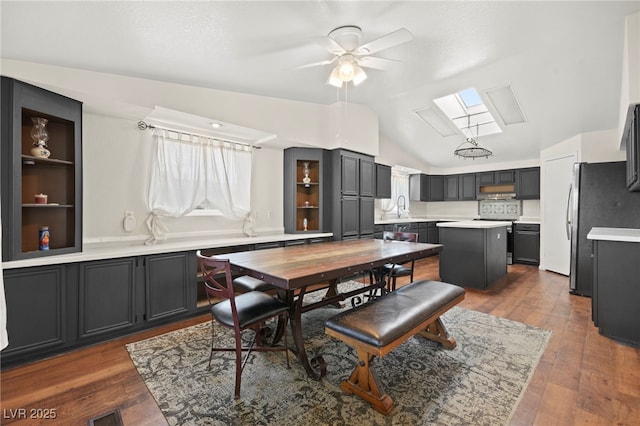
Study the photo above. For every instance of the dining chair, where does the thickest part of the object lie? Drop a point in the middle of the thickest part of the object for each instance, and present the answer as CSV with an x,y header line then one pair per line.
x,y
245,283
239,312
394,270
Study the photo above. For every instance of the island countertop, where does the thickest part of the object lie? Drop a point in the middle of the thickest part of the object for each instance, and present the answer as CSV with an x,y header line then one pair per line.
x,y
474,224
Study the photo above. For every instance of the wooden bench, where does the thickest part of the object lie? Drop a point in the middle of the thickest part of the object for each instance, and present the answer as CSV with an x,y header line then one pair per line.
x,y
377,327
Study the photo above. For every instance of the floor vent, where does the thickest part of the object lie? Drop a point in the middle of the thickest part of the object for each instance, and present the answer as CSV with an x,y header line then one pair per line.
x,y
110,419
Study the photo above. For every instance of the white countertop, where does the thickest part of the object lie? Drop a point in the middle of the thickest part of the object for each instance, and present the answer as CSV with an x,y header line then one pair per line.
x,y
392,220
475,224
630,235
119,250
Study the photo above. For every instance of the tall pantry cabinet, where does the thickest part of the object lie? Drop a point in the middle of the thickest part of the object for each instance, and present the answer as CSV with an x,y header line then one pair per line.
x,y
352,194
329,191
41,172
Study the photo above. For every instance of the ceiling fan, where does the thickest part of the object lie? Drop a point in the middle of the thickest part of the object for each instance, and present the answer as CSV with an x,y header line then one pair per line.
x,y
350,56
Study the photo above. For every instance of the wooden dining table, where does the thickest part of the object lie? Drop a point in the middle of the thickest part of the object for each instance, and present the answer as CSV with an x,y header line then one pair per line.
x,y
295,269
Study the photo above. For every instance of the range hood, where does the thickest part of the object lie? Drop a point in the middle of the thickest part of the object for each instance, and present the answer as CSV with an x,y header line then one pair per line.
x,y
497,192
496,196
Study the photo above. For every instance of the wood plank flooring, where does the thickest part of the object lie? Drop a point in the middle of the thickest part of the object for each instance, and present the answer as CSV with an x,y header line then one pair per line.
x,y
583,378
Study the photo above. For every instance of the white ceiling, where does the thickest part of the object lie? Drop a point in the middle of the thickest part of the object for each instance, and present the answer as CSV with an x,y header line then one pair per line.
x,y
562,59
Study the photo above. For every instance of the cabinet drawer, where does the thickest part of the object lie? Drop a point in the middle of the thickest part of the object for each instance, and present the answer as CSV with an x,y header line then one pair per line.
x,y
527,227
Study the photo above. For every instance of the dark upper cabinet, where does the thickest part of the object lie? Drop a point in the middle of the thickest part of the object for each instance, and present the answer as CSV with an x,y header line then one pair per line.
x,y
504,177
419,187
528,183
436,188
28,170
451,188
367,179
496,177
426,188
632,144
467,187
349,173
383,181
485,178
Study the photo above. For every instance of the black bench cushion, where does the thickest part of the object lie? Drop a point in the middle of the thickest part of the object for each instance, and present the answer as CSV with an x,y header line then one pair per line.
x,y
385,319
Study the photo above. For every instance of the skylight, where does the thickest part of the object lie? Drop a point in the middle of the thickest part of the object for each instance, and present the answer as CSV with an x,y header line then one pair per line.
x,y
467,111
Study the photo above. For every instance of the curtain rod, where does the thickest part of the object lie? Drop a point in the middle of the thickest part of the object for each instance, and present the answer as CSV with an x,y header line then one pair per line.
x,y
144,126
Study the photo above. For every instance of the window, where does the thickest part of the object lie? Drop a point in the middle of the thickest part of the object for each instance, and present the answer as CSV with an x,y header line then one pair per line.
x,y
467,111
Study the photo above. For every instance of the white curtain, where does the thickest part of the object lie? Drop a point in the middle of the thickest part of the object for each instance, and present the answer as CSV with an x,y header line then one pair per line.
x,y
193,171
4,339
399,186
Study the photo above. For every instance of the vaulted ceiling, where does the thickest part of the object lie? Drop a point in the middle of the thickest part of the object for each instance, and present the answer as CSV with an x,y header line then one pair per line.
x,y
563,60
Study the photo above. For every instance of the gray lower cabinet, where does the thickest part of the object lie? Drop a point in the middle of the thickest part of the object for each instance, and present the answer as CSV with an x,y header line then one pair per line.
x,y
107,297
350,214
38,318
367,205
526,244
475,258
433,234
168,285
616,293
55,308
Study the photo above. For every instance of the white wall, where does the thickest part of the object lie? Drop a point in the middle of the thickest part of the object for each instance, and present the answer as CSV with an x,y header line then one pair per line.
x,y
116,154
593,147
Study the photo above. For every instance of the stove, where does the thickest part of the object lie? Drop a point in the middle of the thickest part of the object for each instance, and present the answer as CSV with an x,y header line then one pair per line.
x,y
502,210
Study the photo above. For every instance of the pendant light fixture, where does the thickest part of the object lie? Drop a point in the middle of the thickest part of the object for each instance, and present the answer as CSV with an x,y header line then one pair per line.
x,y
470,148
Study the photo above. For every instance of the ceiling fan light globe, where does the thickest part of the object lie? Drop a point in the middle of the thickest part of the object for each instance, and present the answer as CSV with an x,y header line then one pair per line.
x,y
334,78
346,70
359,75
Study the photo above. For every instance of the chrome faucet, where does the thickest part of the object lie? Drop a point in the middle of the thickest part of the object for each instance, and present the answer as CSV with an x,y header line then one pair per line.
x,y
404,204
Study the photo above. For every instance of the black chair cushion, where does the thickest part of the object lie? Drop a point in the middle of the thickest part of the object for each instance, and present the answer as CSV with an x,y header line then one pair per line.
x,y
253,307
396,270
246,284
383,320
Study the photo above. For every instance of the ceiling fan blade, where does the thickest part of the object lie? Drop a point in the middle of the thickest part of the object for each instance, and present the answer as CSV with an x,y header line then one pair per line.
x,y
385,42
376,63
330,45
317,64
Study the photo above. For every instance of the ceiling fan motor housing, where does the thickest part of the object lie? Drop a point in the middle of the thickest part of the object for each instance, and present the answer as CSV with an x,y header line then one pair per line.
x,y
348,37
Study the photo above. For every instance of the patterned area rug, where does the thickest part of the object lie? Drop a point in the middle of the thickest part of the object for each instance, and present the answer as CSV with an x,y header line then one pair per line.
x,y
480,382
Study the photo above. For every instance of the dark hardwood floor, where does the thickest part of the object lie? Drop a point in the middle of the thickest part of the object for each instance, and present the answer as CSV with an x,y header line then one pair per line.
x,y
583,378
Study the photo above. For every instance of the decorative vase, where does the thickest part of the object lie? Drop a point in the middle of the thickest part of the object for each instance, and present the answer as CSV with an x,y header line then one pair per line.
x,y
40,137
306,179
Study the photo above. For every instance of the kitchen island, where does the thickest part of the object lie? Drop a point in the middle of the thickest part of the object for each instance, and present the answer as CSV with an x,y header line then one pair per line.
x,y
474,252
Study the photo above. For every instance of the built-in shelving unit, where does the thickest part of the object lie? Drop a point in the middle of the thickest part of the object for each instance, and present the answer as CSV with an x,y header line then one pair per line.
x,y
307,195
25,175
303,192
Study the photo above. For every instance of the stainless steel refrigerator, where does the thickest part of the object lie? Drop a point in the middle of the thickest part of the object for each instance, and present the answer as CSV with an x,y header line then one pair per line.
x,y
598,198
